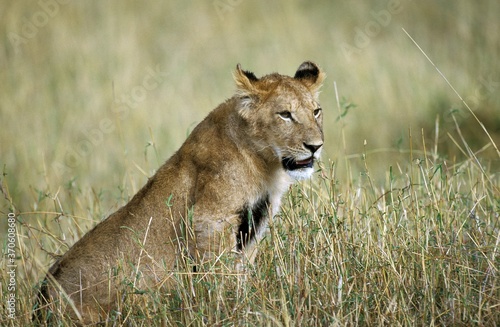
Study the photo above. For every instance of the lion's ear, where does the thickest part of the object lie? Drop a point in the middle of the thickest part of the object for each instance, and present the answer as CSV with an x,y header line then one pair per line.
x,y
311,76
244,79
245,83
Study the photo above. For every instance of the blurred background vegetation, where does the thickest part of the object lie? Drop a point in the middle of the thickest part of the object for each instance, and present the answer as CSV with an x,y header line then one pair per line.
x,y
95,95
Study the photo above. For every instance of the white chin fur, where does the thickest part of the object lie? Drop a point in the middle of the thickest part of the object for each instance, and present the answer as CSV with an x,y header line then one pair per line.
x,y
300,174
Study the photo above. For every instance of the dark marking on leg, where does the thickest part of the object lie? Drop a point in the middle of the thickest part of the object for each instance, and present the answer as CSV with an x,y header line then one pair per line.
x,y
251,219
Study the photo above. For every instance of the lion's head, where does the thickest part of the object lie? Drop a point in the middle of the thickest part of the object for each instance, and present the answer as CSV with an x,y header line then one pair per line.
x,y
283,114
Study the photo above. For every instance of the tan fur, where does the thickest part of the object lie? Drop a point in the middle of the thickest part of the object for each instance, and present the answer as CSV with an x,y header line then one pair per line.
x,y
230,166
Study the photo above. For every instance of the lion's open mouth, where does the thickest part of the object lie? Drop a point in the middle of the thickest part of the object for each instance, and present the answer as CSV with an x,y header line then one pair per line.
x,y
291,164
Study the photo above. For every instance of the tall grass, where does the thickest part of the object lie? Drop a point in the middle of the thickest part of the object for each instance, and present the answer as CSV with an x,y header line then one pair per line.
x,y
422,250
400,225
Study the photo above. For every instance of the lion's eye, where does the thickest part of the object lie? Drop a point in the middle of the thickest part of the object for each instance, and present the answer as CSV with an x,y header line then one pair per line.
x,y
317,112
285,115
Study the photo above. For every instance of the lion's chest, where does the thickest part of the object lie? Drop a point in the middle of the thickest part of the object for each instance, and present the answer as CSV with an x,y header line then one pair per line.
x,y
254,214
252,220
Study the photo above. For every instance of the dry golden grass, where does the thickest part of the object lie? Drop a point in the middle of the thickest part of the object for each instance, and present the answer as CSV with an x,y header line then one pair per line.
x,y
402,230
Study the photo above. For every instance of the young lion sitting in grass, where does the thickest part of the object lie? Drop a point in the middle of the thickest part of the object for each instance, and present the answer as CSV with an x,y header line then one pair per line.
x,y
225,181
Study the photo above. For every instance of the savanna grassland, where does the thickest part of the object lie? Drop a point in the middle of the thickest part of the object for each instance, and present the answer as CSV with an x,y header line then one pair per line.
x,y
399,226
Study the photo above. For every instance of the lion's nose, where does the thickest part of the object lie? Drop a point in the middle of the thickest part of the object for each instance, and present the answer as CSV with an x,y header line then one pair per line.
x,y
313,147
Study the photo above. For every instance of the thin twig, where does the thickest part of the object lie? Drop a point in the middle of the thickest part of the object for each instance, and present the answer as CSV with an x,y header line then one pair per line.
x,y
454,90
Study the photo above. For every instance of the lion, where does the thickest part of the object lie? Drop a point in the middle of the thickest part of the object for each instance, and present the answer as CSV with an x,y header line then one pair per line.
x,y
225,181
